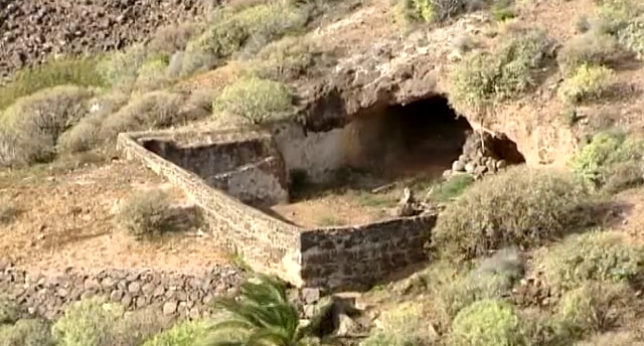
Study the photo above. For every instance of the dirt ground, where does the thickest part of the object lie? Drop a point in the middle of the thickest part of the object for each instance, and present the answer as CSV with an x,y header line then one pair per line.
x,y
66,219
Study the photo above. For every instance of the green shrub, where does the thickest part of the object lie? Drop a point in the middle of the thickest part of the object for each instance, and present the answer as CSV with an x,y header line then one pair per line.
x,y
614,15
86,323
182,334
595,307
502,10
147,214
519,206
590,48
631,36
64,71
252,28
486,323
482,78
588,82
543,328
254,99
119,69
599,256
596,159
32,126
402,326
157,109
430,11
152,75
30,332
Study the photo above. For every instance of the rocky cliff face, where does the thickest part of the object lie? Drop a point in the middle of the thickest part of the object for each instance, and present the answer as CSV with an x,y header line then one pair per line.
x,y
33,30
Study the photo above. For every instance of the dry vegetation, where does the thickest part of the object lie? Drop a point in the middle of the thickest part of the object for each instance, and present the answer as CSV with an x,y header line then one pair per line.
x,y
493,234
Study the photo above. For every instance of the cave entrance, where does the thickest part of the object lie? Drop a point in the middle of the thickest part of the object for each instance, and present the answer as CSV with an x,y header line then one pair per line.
x,y
425,137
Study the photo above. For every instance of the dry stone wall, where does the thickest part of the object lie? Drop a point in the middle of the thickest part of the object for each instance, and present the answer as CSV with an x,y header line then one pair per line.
x,y
173,294
333,258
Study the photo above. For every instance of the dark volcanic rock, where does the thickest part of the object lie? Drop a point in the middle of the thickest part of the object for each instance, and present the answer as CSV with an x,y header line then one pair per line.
x,y
33,30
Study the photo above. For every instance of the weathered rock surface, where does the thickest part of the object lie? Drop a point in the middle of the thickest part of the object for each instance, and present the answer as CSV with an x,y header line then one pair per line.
x,y
32,30
172,294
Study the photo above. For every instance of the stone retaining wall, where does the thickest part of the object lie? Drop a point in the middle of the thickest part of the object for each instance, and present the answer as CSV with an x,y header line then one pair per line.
x,y
172,294
334,258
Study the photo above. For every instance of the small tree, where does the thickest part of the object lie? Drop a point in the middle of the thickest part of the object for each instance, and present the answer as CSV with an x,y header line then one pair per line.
x,y
261,315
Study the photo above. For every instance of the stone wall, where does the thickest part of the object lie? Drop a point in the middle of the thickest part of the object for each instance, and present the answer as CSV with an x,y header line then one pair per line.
x,y
266,244
172,294
360,256
257,184
334,258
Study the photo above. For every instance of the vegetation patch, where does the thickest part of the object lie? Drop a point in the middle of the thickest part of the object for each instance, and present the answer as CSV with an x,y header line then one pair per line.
x,y
63,71
157,109
147,215
598,256
598,160
619,338
286,59
183,334
520,206
482,78
8,213
451,188
255,100
590,48
595,307
487,323
86,323
32,126
430,11
401,326
28,332
587,82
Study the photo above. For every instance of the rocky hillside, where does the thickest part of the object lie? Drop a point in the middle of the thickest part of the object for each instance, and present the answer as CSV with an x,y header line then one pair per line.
x,y
32,30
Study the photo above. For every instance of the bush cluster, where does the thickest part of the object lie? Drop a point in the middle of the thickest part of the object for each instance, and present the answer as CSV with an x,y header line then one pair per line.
x,y
596,256
256,100
520,206
611,159
586,82
401,326
483,78
487,323
147,214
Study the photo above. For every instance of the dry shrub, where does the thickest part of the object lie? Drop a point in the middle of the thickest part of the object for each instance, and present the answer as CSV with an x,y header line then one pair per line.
x,y
518,207
157,109
8,310
586,83
30,128
286,59
482,78
136,327
63,71
86,135
255,100
147,215
487,323
621,338
590,48
614,15
631,36
29,332
597,256
173,38
623,176
404,325
595,307
8,213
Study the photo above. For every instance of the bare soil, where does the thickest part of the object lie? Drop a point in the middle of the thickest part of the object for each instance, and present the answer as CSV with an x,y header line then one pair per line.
x,y
66,219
